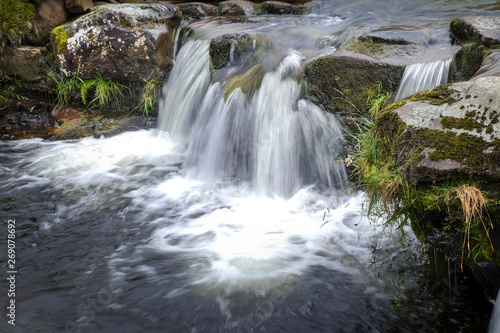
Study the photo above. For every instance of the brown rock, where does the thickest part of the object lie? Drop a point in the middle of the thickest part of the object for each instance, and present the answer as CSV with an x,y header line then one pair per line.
x,y
79,6
50,14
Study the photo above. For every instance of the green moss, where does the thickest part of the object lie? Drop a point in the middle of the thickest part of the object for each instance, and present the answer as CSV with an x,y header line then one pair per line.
x,y
395,105
60,38
16,17
90,35
248,82
460,123
371,49
438,96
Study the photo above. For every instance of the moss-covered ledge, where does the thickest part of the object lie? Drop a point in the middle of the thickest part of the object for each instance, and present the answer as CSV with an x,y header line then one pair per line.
x,y
435,159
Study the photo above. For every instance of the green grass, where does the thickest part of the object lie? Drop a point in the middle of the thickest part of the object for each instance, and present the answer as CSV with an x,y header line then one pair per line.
x,y
149,96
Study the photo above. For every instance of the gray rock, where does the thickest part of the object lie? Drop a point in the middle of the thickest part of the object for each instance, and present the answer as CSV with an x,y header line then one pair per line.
x,y
484,29
79,6
490,66
235,8
280,8
120,42
197,9
29,65
451,132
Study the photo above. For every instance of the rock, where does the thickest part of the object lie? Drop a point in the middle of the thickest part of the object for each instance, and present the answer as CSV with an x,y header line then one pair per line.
x,y
467,61
79,6
490,66
229,48
29,66
49,14
25,120
449,133
197,9
127,43
344,80
280,8
483,29
236,7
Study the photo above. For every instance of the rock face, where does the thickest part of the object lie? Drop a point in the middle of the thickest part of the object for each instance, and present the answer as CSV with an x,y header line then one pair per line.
x,y
50,14
344,80
197,9
79,6
479,28
235,8
490,66
452,132
120,42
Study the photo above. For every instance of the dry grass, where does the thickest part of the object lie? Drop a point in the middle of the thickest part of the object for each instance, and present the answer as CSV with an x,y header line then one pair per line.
x,y
473,205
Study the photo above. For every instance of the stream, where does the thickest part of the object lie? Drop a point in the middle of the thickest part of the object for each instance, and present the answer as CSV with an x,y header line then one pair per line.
x,y
235,214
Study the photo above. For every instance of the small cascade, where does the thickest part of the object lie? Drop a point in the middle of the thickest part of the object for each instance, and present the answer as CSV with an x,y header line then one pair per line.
x,y
423,76
495,317
268,136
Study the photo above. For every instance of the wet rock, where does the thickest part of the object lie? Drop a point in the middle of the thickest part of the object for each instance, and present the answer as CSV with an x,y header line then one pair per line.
x,y
343,81
23,120
280,8
79,6
49,14
197,9
29,66
490,66
235,8
449,133
467,61
482,29
117,41
229,48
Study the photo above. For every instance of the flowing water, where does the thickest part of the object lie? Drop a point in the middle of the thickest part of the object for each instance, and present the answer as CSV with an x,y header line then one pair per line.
x,y
235,215
494,326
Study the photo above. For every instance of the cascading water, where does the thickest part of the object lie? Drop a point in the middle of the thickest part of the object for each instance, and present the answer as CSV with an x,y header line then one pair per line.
x,y
423,76
273,138
494,326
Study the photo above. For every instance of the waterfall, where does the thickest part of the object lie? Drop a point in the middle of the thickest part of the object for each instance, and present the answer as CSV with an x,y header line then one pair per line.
x,y
269,137
495,317
423,76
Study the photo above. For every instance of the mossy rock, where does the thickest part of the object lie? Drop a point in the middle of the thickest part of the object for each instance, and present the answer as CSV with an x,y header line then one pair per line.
x,y
344,81
467,61
481,29
236,48
248,82
280,8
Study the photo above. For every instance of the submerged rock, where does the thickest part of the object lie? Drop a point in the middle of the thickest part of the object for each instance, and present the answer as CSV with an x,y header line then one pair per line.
x,y
120,42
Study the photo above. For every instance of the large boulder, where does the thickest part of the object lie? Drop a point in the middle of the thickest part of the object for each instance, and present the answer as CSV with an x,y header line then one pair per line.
x,y
120,42
49,14
483,29
344,80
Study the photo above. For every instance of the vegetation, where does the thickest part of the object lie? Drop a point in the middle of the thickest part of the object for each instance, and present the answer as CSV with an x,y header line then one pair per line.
x,y
149,96
16,20
392,196
77,90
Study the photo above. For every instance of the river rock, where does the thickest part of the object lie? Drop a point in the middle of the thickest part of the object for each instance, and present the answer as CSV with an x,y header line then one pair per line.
x,y
449,133
490,66
344,80
280,8
229,48
235,8
120,42
483,29
79,6
49,14
197,9
467,61
29,66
